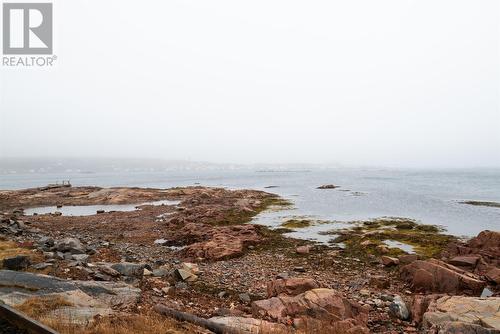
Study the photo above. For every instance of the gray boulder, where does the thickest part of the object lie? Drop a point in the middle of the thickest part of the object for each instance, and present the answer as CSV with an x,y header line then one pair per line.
x,y
129,269
71,245
86,299
398,308
19,262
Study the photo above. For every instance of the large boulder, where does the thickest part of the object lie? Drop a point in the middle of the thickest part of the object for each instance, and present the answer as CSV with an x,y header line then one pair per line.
x,y
223,242
71,245
399,309
485,248
439,277
493,274
290,286
83,300
420,304
484,312
464,261
18,262
487,242
317,305
129,269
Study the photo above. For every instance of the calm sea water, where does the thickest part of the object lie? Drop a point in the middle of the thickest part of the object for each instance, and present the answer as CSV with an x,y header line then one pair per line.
x,y
429,196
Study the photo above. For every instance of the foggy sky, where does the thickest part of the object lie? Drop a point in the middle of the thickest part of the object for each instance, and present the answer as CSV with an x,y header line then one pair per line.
x,y
396,83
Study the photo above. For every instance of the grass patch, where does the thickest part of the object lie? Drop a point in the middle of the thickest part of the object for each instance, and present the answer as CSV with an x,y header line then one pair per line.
x,y
124,324
40,306
11,249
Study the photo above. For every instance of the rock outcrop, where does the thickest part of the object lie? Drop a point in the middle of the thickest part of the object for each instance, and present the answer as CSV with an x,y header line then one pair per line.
x,y
129,269
218,242
325,308
434,276
83,299
480,312
290,286
480,255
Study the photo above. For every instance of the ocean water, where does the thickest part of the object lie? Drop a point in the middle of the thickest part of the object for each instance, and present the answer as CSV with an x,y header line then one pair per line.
x,y
428,196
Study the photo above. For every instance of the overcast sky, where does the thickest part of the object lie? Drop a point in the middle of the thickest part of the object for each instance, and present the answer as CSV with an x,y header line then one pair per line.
x,y
395,83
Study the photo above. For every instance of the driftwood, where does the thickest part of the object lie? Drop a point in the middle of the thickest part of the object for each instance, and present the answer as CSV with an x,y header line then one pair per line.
x,y
191,318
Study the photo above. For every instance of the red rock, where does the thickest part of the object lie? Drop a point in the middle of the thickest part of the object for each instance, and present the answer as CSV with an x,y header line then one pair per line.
x,y
486,240
223,242
389,261
493,275
464,261
406,259
437,276
291,286
273,308
420,305
383,249
486,246
323,305
303,250
380,281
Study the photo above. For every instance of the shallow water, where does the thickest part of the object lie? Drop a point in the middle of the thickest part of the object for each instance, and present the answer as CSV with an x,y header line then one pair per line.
x,y
88,210
396,244
429,196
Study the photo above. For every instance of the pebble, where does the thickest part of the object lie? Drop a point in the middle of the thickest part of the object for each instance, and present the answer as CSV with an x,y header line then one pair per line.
x,y
40,266
364,292
283,276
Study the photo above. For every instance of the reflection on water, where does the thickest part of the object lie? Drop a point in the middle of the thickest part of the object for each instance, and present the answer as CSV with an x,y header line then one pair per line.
x,y
88,210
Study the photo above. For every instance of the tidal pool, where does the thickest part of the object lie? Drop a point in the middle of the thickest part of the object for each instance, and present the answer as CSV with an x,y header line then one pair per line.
x,y
88,210
396,244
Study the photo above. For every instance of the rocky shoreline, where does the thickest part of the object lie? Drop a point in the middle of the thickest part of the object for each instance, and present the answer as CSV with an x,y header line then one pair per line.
x,y
202,256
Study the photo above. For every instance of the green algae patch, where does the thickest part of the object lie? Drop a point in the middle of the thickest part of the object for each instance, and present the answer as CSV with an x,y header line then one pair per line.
x,y
275,241
400,224
304,222
482,203
368,237
297,223
275,203
237,216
